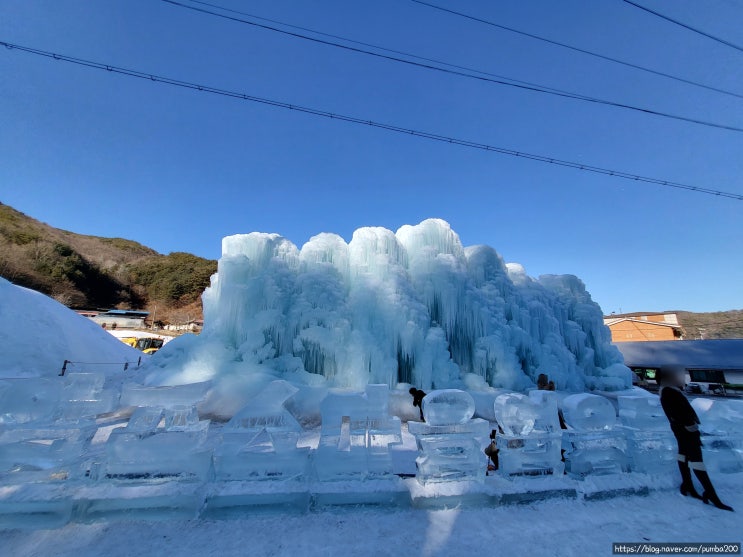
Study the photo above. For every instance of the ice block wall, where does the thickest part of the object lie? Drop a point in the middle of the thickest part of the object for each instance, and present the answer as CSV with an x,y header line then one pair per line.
x,y
414,307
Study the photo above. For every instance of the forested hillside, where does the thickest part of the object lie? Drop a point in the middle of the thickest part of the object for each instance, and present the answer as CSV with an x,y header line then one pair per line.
x,y
93,272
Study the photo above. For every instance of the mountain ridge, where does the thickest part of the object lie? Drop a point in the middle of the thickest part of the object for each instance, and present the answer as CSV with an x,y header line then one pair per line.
x,y
85,272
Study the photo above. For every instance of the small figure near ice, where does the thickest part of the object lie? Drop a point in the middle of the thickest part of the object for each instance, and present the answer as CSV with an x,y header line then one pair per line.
x,y
543,382
491,451
551,386
418,395
685,426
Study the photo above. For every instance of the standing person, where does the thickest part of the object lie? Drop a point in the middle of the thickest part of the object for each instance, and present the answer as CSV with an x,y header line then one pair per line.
x,y
491,451
685,426
418,400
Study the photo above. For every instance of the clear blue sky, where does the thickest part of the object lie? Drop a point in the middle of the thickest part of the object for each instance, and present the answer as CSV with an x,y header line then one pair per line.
x,y
104,154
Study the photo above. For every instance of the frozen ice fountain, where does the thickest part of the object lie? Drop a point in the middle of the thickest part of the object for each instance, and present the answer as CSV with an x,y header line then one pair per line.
x,y
413,306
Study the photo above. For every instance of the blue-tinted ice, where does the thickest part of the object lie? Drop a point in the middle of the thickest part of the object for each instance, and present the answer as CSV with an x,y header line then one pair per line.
x,y
158,444
357,431
722,433
449,448
531,440
448,407
260,441
592,443
651,447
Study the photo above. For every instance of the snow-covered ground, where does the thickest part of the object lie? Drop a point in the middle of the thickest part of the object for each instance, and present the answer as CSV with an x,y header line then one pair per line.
x,y
554,527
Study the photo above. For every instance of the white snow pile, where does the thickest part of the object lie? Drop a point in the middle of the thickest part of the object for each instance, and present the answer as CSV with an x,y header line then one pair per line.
x,y
412,307
37,334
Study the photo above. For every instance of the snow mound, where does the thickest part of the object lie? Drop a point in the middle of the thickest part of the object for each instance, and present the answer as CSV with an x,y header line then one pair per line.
x,y
37,334
413,307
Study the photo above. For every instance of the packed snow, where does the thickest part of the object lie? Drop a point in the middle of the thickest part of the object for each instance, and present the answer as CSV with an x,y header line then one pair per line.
x,y
37,334
411,307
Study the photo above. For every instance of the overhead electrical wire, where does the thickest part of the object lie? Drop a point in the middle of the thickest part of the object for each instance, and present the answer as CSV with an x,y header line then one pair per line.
x,y
382,48
371,123
684,25
571,47
429,66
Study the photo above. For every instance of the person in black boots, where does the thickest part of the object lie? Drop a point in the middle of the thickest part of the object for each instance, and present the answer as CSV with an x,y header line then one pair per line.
x,y
685,426
418,395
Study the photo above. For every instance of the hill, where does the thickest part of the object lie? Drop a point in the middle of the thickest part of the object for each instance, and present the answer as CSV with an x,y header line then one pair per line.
x,y
93,272
712,325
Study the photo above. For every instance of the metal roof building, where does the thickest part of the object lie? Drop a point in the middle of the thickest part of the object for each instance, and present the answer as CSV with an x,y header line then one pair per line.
x,y
721,354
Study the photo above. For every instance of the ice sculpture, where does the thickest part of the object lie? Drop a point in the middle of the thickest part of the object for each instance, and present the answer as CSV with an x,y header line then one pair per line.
x,y
41,454
592,444
260,441
449,450
408,307
84,397
719,416
651,447
157,445
448,407
531,441
356,434
587,412
46,423
642,412
29,400
722,433
133,394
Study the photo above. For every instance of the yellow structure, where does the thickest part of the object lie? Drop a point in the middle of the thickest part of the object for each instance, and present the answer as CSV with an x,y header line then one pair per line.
x,y
148,345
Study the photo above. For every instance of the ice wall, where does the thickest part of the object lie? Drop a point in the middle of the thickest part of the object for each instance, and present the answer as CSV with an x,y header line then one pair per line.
x,y
408,307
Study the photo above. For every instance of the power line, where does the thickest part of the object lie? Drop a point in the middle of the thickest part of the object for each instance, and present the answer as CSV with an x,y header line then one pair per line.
x,y
684,25
382,48
371,123
511,83
573,48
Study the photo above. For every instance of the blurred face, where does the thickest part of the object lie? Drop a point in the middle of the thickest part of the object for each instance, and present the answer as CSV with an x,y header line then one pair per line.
x,y
675,378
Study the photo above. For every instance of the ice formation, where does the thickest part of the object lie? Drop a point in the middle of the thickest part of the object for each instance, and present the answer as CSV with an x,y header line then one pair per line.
x,y
722,436
412,307
260,441
356,435
160,444
651,446
592,443
449,447
587,412
531,440
448,407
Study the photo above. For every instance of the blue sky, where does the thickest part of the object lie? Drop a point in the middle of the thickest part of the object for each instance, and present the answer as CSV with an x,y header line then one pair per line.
x,y
104,154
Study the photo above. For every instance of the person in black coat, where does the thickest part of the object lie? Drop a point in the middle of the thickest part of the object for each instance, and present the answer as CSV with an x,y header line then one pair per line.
x,y
418,395
685,426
